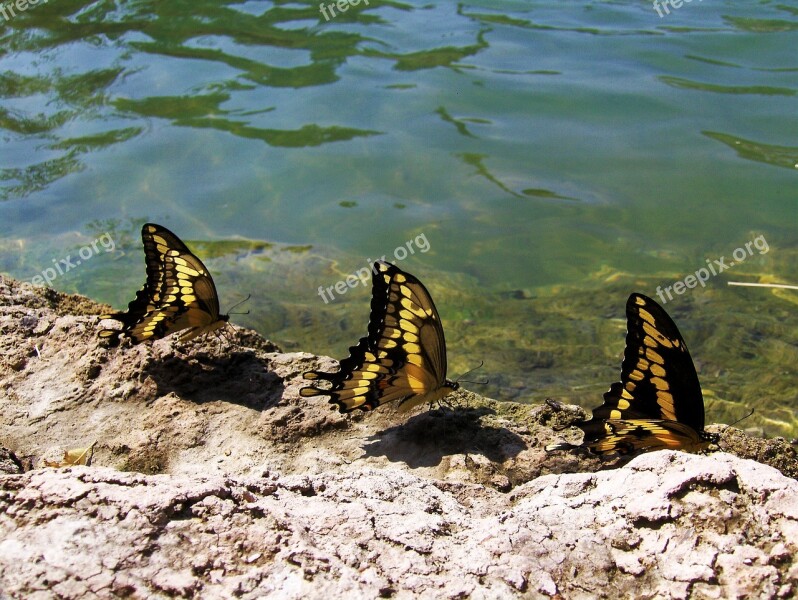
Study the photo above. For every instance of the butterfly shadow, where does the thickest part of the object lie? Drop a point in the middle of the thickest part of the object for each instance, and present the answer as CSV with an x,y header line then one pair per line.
x,y
424,439
238,377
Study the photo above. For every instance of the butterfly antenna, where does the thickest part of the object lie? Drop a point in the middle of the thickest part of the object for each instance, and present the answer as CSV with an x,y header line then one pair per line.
x,y
740,419
460,379
237,304
487,381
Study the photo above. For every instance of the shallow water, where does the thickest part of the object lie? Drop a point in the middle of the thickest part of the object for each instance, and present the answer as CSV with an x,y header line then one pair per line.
x,y
554,156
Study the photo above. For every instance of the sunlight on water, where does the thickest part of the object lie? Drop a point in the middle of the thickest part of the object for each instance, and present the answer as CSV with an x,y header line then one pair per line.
x,y
556,156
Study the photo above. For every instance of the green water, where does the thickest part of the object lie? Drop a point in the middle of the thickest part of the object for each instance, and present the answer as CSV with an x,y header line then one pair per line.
x,y
554,155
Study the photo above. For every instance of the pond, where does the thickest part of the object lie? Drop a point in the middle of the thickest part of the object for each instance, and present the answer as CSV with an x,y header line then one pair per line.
x,y
543,159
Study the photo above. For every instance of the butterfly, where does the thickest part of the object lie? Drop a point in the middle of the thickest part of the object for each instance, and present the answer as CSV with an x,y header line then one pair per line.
x,y
403,357
178,295
658,402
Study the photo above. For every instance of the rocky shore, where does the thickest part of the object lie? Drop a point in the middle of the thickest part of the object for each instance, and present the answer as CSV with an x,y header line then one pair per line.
x,y
211,478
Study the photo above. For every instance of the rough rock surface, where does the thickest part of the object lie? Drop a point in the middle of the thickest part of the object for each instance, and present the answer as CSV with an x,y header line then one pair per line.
x,y
667,525
211,477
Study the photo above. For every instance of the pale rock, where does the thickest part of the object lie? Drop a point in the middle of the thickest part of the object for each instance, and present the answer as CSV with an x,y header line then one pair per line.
x,y
212,478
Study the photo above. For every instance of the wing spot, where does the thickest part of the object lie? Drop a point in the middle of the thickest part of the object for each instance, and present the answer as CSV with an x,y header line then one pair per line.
x,y
659,383
407,315
657,370
656,335
408,326
646,316
416,360
185,270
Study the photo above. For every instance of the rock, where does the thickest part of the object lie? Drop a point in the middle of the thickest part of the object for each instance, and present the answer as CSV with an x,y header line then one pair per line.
x,y
230,408
669,523
9,463
212,478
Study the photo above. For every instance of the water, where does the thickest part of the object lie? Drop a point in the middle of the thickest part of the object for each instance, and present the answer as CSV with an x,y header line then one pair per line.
x,y
555,155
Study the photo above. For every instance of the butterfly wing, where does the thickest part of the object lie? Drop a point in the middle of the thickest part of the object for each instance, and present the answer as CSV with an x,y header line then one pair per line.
x,y
148,298
403,357
179,293
627,436
658,402
658,378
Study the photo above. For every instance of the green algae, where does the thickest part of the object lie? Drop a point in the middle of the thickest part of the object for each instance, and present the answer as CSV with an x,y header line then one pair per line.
x,y
220,248
779,156
766,90
564,342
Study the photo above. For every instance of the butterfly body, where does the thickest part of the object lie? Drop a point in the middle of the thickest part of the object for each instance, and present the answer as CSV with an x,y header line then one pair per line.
x,y
402,359
658,403
179,294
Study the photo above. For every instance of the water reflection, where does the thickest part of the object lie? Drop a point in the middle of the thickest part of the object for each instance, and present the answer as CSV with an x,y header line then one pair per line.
x,y
557,156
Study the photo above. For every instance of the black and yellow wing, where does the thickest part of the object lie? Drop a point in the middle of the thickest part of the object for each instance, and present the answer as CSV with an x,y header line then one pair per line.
x,y
658,402
179,293
403,357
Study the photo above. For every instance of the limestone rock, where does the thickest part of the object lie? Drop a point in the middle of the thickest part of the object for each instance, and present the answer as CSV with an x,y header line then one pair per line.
x,y
667,525
212,478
